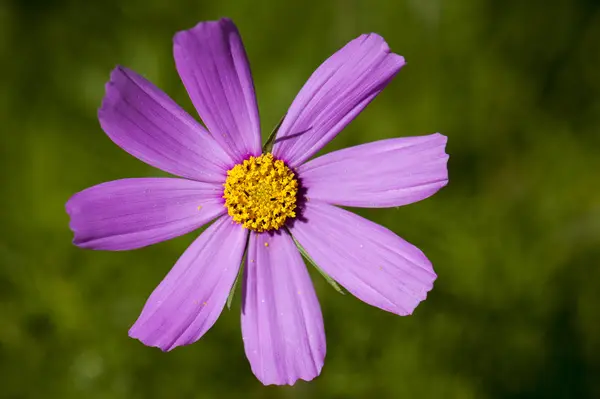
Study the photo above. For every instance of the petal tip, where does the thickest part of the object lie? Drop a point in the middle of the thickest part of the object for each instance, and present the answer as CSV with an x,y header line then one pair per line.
x,y
70,206
409,311
222,23
290,380
147,342
442,137
137,332
111,90
400,59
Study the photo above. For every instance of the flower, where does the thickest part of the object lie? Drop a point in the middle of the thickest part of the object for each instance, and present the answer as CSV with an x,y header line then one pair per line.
x,y
268,206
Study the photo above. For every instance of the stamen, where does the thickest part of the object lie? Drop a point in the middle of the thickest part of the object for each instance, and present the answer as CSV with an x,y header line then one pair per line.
x,y
260,193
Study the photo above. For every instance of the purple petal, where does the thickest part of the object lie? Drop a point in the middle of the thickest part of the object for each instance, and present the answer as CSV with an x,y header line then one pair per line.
x,y
132,213
370,261
282,324
191,297
334,95
385,173
213,66
146,123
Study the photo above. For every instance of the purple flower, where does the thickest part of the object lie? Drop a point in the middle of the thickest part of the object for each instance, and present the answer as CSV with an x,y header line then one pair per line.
x,y
268,206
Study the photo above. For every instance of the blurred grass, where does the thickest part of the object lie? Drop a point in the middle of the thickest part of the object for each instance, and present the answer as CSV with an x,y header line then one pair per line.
x,y
514,237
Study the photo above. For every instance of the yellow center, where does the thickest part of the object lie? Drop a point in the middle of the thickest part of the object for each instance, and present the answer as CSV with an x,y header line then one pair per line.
x,y
260,193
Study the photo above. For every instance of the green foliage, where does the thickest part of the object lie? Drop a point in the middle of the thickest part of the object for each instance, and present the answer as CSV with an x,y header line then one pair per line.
x,y
310,260
514,238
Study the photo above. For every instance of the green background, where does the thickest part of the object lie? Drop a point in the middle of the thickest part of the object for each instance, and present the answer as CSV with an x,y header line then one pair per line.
x,y
514,238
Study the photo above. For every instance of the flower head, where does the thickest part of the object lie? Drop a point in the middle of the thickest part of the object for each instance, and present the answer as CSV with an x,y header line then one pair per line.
x,y
268,205
260,193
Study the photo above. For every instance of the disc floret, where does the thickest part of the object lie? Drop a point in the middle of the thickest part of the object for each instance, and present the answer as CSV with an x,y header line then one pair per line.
x,y
260,193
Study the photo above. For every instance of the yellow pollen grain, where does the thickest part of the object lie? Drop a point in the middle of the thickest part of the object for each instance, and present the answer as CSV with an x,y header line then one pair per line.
x,y
260,193
266,244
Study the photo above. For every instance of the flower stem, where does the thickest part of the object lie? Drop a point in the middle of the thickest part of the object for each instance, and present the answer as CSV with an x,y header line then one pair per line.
x,y
310,260
239,275
268,146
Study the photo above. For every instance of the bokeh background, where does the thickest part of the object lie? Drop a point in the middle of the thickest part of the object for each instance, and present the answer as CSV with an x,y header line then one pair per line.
x,y
514,238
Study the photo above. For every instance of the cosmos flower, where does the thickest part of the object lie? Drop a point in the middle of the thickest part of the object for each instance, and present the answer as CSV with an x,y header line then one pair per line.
x,y
266,207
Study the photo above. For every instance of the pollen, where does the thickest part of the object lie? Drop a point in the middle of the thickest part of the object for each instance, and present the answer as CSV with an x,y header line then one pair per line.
x,y
260,193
